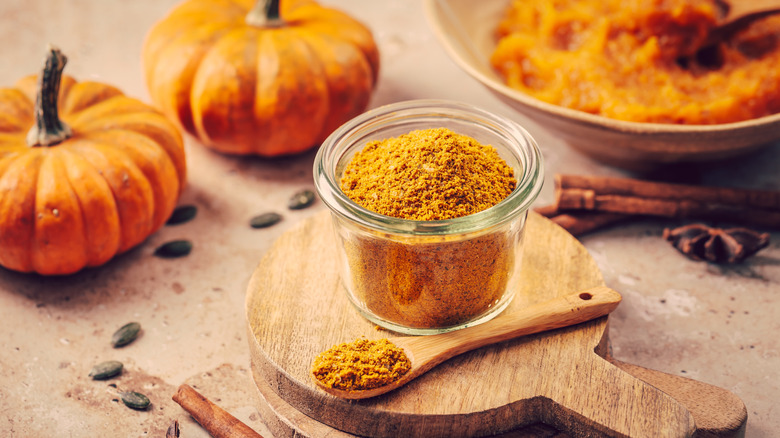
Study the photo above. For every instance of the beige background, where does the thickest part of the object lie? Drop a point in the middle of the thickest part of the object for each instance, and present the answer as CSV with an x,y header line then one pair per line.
x,y
715,324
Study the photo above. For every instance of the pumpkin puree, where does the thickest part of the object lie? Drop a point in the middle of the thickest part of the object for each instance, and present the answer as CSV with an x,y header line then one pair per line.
x,y
626,60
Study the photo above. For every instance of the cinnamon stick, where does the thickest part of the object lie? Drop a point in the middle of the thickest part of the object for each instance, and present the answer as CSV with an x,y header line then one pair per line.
x,y
548,211
218,422
586,222
638,197
580,223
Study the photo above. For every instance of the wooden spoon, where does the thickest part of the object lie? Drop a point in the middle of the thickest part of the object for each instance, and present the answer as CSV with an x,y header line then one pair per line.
x,y
425,352
737,14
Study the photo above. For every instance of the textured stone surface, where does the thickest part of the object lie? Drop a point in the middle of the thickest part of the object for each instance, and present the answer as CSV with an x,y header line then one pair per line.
x,y
714,324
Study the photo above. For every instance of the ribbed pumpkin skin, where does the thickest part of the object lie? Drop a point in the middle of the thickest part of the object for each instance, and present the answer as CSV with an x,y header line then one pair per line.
x,y
98,193
267,91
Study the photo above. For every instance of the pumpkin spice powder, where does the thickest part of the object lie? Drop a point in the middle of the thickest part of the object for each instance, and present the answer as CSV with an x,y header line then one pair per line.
x,y
361,364
429,174
429,281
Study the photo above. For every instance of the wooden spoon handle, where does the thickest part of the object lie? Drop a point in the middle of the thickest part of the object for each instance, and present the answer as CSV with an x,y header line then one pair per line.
x,y
743,8
739,14
562,311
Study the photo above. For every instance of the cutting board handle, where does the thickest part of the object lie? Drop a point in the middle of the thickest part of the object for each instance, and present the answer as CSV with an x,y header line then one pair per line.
x,y
717,411
600,399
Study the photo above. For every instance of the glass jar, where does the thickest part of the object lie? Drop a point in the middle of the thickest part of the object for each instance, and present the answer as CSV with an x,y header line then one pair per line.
x,y
425,277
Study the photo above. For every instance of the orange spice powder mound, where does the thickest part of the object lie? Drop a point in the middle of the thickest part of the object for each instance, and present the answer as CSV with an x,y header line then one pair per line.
x,y
428,174
361,364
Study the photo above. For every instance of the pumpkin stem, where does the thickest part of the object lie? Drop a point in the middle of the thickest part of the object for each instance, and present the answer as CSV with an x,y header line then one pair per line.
x,y
265,13
48,129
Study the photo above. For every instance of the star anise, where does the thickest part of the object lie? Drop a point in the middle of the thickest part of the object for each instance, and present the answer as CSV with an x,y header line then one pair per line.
x,y
731,245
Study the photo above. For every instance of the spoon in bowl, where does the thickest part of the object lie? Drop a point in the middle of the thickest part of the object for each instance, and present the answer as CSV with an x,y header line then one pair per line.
x,y
736,15
425,352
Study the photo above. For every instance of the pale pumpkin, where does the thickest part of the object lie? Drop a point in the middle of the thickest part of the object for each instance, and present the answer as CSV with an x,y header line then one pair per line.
x,y
244,80
85,172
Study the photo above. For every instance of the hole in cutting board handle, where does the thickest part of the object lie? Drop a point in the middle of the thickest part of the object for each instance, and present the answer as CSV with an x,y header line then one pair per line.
x,y
585,296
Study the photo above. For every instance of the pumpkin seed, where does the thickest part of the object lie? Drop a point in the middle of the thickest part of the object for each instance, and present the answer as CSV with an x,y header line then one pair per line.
x,y
173,249
300,200
126,334
106,370
265,220
181,214
135,400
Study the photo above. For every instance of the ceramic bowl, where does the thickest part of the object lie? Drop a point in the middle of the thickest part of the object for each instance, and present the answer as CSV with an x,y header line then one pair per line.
x,y
466,33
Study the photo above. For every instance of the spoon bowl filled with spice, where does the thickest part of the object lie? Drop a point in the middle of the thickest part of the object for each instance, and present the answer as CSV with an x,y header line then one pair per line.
x,y
429,201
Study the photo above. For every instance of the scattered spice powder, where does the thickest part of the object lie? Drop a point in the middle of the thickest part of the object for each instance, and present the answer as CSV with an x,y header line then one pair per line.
x,y
361,364
429,281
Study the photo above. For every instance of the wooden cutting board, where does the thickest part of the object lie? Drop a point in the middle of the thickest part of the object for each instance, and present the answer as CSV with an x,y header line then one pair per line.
x,y
717,413
296,308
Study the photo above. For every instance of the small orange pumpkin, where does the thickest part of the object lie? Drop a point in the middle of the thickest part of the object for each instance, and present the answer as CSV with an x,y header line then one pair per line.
x,y
77,190
244,80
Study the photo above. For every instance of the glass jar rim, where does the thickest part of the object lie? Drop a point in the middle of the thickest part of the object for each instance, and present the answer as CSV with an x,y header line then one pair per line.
x,y
528,185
